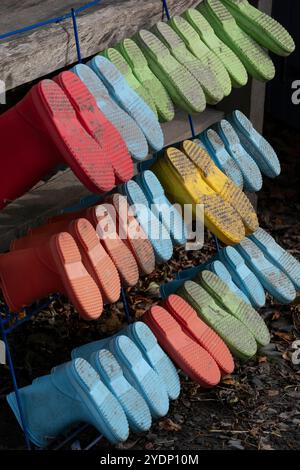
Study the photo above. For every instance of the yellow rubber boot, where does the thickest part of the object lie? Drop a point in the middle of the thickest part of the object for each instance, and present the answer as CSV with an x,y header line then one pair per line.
x,y
223,185
185,185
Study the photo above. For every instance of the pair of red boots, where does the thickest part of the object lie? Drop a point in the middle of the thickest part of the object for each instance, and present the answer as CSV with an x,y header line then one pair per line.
x,y
59,122
197,349
80,255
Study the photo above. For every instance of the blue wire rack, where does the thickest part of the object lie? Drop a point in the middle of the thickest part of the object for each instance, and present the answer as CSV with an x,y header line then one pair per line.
x,y
10,321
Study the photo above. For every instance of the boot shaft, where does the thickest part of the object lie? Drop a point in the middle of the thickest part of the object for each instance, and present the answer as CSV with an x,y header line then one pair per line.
x,y
28,275
27,152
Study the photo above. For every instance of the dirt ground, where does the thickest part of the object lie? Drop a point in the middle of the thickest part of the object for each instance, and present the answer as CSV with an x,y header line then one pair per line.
x,y
257,407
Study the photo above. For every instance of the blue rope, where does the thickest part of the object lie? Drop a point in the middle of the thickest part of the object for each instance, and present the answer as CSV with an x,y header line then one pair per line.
x,y
74,20
166,9
192,126
51,21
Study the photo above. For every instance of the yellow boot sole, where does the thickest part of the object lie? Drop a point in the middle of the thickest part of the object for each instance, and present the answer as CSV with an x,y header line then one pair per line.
x,y
222,185
183,182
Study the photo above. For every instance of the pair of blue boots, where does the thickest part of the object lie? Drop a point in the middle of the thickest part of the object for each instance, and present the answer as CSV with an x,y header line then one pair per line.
x,y
161,221
240,151
121,105
115,384
256,264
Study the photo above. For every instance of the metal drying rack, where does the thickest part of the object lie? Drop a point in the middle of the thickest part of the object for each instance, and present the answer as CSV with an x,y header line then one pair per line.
x,y
10,321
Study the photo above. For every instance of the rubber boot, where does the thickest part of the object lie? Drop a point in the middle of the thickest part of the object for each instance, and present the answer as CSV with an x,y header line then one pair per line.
x,y
136,369
94,257
103,219
147,343
134,406
55,266
97,125
41,132
131,232
71,394
128,229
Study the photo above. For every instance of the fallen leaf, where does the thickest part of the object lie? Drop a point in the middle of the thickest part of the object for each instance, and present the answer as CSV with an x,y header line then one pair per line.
x,y
229,381
285,336
272,393
286,356
275,316
262,359
169,425
126,445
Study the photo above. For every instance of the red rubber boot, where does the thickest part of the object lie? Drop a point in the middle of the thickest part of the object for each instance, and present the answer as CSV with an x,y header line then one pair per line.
x,y
55,266
97,125
192,359
132,234
95,259
197,329
41,132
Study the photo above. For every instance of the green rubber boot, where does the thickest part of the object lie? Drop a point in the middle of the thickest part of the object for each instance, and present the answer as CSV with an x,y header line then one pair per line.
x,y
207,79
184,89
138,63
235,334
235,305
200,50
229,59
118,60
256,60
261,27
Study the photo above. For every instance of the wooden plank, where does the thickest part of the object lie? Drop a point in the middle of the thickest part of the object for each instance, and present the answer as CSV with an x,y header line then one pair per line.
x,y
37,53
64,189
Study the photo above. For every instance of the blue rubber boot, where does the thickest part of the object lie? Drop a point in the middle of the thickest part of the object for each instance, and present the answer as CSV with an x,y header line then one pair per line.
x,y
273,280
128,128
86,350
216,149
255,144
140,375
71,394
128,99
135,369
250,171
147,343
134,406
154,229
222,272
162,208
243,277
278,256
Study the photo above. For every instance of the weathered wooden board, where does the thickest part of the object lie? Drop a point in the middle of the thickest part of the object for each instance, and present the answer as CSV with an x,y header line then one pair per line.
x,y
37,53
64,189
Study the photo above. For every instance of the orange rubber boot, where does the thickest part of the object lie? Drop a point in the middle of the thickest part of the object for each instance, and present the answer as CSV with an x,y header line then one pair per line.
x,y
54,266
132,234
103,218
94,257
